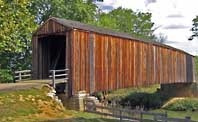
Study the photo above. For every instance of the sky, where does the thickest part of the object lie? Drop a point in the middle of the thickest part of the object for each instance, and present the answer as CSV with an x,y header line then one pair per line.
x,y
172,18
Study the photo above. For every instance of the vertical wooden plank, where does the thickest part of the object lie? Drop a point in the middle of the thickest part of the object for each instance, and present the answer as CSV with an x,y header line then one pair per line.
x,y
102,63
68,58
140,64
74,61
87,63
184,58
134,58
117,63
40,59
106,62
129,63
82,56
193,69
154,63
109,62
132,62
120,62
34,57
91,61
113,64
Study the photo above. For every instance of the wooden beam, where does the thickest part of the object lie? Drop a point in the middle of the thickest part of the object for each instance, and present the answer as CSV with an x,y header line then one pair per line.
x,y
68,60
91,58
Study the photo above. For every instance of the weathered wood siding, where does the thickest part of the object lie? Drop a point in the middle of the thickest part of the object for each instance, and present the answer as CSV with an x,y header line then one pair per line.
x,y
102,62
50,27
99,62
40,50
34,57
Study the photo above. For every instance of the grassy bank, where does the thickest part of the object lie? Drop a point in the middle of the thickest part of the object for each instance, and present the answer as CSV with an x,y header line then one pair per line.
x,y
150,96
33,106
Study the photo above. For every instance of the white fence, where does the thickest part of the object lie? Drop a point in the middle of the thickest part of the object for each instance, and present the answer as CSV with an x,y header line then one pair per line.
x,y
22,75
62,74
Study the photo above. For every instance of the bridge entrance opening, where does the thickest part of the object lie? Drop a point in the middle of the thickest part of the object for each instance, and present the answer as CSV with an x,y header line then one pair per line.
x,y
52,52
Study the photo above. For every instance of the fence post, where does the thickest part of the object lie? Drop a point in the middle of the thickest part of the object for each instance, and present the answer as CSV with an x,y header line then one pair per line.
x,y
120,115
188,118
20,78
166,117
141,116
53,79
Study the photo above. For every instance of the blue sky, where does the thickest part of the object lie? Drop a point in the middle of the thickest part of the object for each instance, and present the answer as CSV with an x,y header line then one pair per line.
x,y
173,18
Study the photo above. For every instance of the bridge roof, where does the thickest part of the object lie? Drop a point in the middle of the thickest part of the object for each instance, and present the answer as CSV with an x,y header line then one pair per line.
x,y
87,27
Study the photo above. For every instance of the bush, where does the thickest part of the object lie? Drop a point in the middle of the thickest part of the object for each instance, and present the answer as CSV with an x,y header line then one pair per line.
x,y
142,99
187,104
5,76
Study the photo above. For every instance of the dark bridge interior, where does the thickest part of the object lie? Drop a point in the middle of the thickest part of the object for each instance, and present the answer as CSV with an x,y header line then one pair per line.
x,y
52,57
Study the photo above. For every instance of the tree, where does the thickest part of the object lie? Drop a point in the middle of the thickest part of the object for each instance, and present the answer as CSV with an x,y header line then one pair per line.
x,y
194,29
79,10
161,38
126,20
16,27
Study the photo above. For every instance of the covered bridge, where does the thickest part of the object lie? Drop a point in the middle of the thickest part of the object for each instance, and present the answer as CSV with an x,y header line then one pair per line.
x,y
100,59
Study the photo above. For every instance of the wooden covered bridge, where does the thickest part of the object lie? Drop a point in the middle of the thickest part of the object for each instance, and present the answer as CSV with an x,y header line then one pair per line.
x,y
99,59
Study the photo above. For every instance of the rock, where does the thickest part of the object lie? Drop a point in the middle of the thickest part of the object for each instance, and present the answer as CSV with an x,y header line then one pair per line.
x,y
12,101
33,99
30,96
3,120
21,98
9,118
1,103
51,94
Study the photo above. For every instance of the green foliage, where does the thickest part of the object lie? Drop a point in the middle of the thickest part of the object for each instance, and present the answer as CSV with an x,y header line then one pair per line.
x,y
142,99
146,97
5,76
79,10
187,104
126,20
16,25
194,29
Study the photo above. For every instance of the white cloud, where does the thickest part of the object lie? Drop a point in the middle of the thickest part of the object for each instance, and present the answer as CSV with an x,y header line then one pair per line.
x,y
167,14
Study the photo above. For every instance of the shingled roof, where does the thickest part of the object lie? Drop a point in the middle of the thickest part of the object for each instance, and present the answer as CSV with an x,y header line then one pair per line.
x,y
78,25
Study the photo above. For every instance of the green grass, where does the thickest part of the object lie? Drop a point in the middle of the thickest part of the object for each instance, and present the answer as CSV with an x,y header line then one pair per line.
x,y
179,114
33,105
123,93
13,103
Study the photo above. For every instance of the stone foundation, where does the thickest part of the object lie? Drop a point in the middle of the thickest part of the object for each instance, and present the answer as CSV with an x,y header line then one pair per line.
x,y
180,89
75,102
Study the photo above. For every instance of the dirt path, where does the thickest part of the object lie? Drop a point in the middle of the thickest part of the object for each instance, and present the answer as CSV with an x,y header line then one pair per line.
x,y
23,85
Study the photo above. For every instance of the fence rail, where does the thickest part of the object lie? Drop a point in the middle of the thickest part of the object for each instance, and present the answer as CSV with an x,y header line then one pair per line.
x,y
131,115
62,74
22,75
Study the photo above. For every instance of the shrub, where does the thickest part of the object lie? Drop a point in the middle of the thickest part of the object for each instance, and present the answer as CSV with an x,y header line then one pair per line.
x,y
187,104
142,99
5,76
